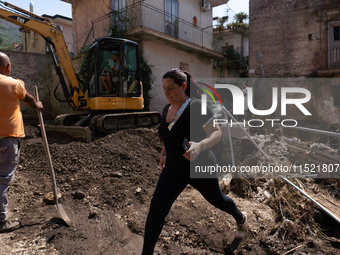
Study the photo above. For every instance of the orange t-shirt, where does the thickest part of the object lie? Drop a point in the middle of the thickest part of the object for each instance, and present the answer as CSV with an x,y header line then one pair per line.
x,y
11,92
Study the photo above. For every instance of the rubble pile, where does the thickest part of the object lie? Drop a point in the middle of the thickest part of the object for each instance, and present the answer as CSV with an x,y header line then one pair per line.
x,y
296,216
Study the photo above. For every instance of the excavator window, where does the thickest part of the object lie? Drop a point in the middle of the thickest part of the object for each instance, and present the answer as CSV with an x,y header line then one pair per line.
x,y
109,69
114,69
133,85
91,71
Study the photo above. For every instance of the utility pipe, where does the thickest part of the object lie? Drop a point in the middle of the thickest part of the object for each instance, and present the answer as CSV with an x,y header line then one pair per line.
x,y
316,131
313,200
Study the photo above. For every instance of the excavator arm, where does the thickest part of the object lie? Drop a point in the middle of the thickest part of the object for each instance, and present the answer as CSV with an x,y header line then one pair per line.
x,y
56,43
108,110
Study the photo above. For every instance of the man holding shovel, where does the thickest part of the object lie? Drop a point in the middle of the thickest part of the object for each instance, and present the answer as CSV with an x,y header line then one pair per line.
x,y
12,91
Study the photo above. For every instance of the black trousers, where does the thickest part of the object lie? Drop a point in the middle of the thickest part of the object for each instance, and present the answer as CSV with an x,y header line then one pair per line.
x,y
168,188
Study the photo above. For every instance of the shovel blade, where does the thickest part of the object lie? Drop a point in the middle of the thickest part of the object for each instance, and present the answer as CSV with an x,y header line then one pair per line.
x,y
63,214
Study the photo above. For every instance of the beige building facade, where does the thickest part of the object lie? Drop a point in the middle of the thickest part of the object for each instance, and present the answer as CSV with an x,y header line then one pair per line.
x,y
171,33
34,43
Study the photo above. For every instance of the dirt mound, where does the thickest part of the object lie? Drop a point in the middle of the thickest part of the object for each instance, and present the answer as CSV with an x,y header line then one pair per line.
x,y
106,188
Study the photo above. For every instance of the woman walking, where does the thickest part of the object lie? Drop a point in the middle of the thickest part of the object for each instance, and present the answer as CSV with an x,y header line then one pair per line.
x,y
182,111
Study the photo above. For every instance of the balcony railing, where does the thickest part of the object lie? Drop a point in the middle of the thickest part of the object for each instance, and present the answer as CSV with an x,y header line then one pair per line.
x,y
144,15
328,59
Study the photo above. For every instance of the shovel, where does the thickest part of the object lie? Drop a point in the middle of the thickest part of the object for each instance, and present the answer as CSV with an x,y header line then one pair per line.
x,y
58,206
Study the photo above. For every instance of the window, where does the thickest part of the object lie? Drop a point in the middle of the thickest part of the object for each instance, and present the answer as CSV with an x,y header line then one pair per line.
x,y
91,74
334,44
171,17
337,33
132,82
118,7
117,4
194,21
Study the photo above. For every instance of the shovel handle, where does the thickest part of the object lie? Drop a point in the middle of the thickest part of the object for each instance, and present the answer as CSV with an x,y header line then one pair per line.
x,y
47,150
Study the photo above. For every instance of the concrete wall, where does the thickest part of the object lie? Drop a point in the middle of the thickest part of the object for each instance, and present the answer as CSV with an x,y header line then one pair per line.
x,y
83,13
163,58
36,70
187,11
285,35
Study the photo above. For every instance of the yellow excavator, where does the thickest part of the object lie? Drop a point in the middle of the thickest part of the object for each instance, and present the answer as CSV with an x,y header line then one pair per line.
x,y
111,97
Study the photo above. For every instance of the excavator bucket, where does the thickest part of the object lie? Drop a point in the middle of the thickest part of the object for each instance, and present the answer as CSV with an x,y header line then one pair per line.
x,y
83,134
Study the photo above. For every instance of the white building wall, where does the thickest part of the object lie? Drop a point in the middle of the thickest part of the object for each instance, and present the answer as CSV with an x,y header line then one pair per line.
x,y
163,58
224,39
67,32
246,46
187,9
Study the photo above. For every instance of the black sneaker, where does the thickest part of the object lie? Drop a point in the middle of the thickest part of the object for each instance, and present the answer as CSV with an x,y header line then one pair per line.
x,y
8,226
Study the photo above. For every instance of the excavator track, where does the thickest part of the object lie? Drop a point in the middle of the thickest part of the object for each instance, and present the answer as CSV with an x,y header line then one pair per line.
x,y
82,126
116,121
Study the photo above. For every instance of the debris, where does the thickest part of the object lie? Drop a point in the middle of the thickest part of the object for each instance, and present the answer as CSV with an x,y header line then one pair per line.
x,y
78,195
225,183
49,198
293,249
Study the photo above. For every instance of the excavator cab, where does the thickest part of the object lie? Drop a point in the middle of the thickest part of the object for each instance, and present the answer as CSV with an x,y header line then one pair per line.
x,y
113,72
114,61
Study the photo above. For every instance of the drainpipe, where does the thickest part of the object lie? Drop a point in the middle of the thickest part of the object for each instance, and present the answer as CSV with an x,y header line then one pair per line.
x,y
31,33
320,34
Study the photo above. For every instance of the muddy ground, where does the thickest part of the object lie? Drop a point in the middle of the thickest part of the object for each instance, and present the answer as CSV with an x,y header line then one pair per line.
x,y
106,188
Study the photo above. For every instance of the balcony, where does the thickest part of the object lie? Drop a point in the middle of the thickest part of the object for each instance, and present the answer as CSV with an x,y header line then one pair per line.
x,y
328,62
146,22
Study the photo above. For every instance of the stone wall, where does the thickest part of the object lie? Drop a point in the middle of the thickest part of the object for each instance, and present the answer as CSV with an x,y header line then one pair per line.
x,y
85,14
285,36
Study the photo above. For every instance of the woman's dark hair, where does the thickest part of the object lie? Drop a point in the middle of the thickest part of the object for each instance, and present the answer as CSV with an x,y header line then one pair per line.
x,y
179,77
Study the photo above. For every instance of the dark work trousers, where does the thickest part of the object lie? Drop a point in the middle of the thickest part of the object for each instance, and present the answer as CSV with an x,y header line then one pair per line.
x,y
168,188
9,159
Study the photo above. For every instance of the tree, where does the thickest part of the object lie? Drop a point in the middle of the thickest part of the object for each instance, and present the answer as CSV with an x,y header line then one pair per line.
x,y
240,17
221,21
1,40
